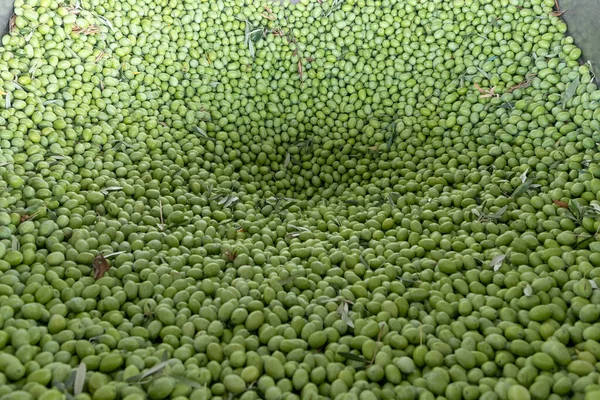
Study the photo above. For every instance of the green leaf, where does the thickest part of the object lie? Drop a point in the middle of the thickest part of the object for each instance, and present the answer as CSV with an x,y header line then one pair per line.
x,y
353,357
79,379
497,262
575,208
70,382
583,243
346,318
16,245
498,214
155,369
189,382
570,92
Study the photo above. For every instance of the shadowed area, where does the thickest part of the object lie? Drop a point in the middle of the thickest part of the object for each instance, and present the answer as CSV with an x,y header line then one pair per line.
x,y
582,18
6,11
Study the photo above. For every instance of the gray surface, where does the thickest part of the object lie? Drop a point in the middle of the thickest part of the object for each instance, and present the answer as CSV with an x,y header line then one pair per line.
x,y
583,21
6,11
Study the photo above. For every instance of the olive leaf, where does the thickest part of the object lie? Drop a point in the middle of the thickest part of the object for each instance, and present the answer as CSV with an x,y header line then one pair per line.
x,y
497,261
523,176
153,370
105,21
286,281
593,284
62,387
16,245
406,280
79,379
161,225
203,134
498,214
100,266
342,308
334,7
207,189
227,201
120,143
108,189
189,382
528,290
299,228
34,68
353,357
392,198
116,253
575,211
570,92
70,380
508,105
346,318
523,84
73,53
595,207
524,188
487,76
363,261
576,208
393,134
592,72
484,215
561,204
325,300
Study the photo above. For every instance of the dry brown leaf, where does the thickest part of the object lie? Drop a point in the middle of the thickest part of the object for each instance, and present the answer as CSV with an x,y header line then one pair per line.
x,y
523,84
479,88
100,56
91,30
558,13
486,93
561,204
270,17
12,24
100,266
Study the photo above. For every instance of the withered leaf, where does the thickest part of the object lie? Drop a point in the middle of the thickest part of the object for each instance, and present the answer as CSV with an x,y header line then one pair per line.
x,y
561,204
100,266
558,13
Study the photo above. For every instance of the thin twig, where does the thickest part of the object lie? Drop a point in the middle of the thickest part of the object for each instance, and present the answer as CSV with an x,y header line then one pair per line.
x,y
378,342
162,221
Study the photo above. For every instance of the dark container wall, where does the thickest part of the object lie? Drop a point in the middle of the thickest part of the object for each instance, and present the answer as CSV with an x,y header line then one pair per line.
x,y
583,19
6,11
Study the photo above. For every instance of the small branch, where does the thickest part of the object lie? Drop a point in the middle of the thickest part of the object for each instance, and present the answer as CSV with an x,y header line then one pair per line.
x,y
161,226
381,325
